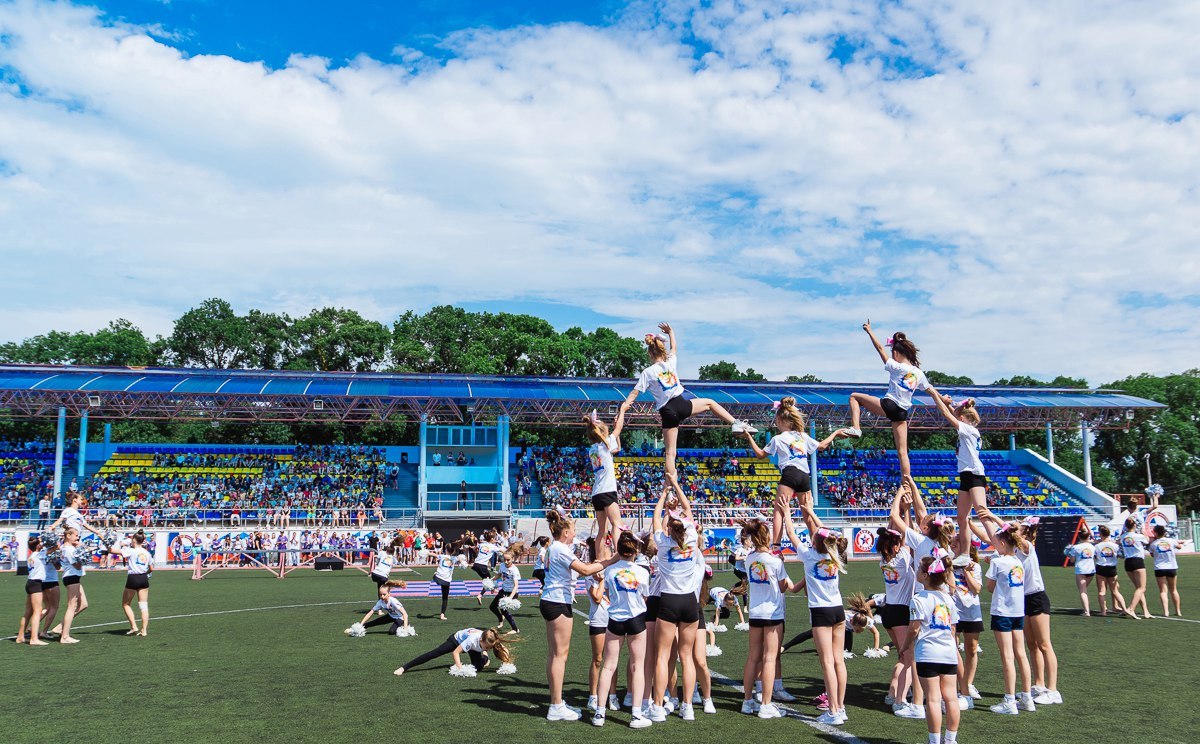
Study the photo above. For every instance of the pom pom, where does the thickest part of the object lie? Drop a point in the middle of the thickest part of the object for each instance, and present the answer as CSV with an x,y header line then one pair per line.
x,y
408,632
489,585
466,672
713,651
719,629
510,605
876,653
509,668
357,631
742,626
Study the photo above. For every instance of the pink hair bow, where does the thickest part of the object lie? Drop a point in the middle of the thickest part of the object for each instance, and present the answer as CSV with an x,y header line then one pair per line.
x,y
775,406
891,341
939,520
652,336
1032,521
939,562
893,532
825,532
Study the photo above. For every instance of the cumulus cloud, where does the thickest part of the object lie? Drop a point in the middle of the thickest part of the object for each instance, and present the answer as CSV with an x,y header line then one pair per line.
x,y
1014,186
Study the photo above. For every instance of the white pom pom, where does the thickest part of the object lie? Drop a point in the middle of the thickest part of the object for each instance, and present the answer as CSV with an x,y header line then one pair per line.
x,y
875,653
742,626
489,585
713,651
408,632
718,629
510,605
507,669
466,672
357,631
962,647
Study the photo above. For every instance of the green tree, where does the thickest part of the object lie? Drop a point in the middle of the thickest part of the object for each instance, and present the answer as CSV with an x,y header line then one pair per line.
x,y
211,335
336,339
805,378
939,379
724,370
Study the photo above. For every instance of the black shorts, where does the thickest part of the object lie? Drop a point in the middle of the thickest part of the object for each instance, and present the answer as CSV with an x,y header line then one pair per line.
x,y
894,616
33,586
970,626
554,610
827,617
893,411
71,580
676,411
540,575
48,585
632,626
928,669
602,501
741,575
1037,603
379,580
595,631
968,480
1163,573
137,581
652,609
680,609
758,623
1108,572
481,570
795,479
1135,564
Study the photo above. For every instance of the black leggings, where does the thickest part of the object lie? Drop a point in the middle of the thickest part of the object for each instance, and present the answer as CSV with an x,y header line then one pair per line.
x,y
445,594
382,619
806,635
477,659
501,615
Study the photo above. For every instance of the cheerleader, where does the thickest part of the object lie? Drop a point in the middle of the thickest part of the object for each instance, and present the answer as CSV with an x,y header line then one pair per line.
x,y
482,566
768,581
389,608
385,561
34,598
1166,568
722,600
71,516
739,569
936,531
931,632
790,450
510,583
605,444
824,562
968,583
1133,546
675,405
1037,621
899,584
73,570
472,641
703,574
51,594
626,585
1107,554
904,378
539,562
648,559
1084,555
859,618
678,609
137,583
558,594
972,480
443,575
597,624
1006,582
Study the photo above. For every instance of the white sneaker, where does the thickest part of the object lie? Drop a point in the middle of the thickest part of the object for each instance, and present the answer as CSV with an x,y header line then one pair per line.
x,y
749,707
965,702
614,703
686,712
629,700
1025,702
974,692
591,704
769,711
1049,697
830,719
742,427
842,717
562,713
598,719
639,722
909,710
708,706
658,714
1038,690
853,431
781,695
889,699
670,704
1006,707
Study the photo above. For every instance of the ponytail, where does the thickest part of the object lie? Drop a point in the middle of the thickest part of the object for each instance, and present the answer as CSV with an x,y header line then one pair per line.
x,y
558,523
787,411
756,532
597,431
501,647
906,348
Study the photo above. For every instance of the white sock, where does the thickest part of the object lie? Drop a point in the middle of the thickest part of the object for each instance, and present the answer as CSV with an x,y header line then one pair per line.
x,y
935,739
1010,699
778,684
951,737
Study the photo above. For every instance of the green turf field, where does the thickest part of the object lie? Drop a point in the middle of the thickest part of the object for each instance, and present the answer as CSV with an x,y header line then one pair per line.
x,y
252,658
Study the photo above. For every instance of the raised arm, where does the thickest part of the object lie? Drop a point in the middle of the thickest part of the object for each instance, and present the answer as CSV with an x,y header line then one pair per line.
x,y
684,505
758,451
897,521
789,529
918,502
944,409
874,341
667,329
656,522
618,425
824,443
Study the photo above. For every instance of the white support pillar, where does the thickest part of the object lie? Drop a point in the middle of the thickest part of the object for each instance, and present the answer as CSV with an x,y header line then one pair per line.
x,y
1086,433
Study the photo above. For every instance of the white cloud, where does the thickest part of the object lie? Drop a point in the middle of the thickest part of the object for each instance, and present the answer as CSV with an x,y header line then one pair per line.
x,y
757,198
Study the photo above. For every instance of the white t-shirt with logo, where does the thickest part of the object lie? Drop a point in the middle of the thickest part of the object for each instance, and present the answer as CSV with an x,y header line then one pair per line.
x,y
1084,555
790,449
597,611
72,518
384,562
627,586
823,577
560,579
510,577
969,445
604,474
677,565
137,560
70,556
445,567
922,545
936,642
470,639
899,578
1033,571
764,571
1133,545
739,557
903,380
1008,599
662,380
970,609
717,595
1163,550
1108,553
483,555
392,607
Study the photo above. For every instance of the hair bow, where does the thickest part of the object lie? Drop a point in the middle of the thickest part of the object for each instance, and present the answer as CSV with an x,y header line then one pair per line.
x,y
559,508
939,561
825,532
893,532
939,520
891,341
775,405
976,542
1032,521
653,336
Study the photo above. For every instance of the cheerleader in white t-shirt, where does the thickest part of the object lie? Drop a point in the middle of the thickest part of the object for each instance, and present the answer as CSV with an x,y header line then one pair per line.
x,y
510,582
539,561
899,584
931,633
443,575
790,450
1108,555
1133,547
31,621
972,479
597,623
485,551
768,581
1166,568
626,585
1084,555
385,561
675,405
904,378
605,443
724,603
472,641
824,563
138,563
968,583
389,608
73,570
1037,622
1006,582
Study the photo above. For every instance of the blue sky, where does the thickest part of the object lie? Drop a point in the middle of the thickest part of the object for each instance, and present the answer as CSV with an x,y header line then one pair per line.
x,y
1014,187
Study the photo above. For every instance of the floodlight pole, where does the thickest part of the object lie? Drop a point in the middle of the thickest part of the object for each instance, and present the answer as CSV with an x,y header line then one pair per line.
x,y
1149,479
1087,451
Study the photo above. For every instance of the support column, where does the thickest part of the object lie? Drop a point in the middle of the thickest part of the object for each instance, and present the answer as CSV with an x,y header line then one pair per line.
x,y
1087,451
1012,442
58,450
502,446
422,485
82,445
1050,442
812,462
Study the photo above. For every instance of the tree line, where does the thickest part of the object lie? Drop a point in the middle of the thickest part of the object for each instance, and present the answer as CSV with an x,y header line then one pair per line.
x,y
449,339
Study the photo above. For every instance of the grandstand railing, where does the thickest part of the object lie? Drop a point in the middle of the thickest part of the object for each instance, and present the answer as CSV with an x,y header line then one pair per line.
x,y
729,515
464,501
205,517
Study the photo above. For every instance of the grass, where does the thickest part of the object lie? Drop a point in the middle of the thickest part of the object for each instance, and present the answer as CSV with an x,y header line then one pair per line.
x,y
288,674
